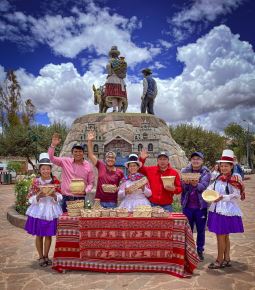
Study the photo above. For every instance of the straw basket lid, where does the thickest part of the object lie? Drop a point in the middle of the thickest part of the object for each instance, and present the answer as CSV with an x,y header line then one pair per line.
x,y
170,177
190,176
210,195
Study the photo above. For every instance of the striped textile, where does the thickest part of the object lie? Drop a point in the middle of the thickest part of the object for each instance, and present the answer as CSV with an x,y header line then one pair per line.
x,y
114,90
129,244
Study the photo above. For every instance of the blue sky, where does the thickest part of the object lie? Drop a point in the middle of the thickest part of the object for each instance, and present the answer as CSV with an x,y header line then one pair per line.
x,y
201,53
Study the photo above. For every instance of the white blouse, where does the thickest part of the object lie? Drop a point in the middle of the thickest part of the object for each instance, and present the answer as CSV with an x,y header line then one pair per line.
x,y
46,208
136,198
228,206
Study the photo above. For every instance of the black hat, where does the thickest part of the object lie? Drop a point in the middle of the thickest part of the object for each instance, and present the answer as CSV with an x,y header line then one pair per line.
x,y
78,146
197,153
163,153
133,158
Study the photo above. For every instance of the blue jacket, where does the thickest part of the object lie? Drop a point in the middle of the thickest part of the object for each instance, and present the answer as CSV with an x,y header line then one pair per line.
x,y
203,183
238,169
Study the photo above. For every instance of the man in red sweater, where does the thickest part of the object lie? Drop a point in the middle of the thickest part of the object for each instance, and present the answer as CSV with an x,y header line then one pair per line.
x,y
161,196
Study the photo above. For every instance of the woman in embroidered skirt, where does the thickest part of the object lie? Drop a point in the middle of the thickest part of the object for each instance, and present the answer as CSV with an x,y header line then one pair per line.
x,y
44,210
139,196
115,88
225,216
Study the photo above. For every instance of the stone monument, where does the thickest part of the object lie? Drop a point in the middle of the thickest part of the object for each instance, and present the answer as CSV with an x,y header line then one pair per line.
x,y
126,133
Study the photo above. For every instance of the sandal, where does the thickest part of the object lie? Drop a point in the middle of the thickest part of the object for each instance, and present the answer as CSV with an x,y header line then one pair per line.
x,y
48,261
227,263
216,265
42,262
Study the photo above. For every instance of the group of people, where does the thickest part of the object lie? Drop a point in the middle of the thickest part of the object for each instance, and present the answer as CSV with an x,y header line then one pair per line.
x,y
224,213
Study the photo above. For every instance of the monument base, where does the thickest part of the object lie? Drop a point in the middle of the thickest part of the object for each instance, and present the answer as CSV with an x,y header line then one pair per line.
x,y
125,133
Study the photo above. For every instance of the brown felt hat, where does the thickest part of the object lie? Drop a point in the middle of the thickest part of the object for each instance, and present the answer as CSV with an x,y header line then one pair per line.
x,y
147,71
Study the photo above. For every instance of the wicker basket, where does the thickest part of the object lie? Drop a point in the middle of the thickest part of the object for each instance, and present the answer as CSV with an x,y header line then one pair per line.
x,y
47,189
109,188
145,213
113,213
77,186
122,212
190,176
156,214
210,195
168,180
74,212
138,184
75,204
97,204
105,212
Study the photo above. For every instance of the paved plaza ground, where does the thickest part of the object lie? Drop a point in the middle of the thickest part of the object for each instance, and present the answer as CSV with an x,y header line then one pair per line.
x,y
19,267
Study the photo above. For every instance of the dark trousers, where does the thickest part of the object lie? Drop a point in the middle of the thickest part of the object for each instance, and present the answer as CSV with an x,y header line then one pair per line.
x,y
197,217
68,198
147,104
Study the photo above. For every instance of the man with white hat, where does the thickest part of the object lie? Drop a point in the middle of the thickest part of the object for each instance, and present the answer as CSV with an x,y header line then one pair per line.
x,y
161,195
72,168
107,174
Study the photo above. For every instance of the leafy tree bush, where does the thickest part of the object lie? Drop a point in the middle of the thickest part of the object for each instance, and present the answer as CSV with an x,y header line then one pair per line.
x,y
21,191
194,138
15,166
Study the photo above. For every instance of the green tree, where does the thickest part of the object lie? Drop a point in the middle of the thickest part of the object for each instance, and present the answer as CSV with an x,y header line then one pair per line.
x,y
20,137
14,165
195,138
239,141
29,141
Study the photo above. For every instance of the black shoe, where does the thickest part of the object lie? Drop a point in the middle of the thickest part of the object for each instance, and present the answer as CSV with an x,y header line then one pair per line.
x,y
201,256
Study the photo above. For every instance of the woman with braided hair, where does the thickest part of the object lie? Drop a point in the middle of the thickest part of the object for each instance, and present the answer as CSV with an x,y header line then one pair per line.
x,y
225,216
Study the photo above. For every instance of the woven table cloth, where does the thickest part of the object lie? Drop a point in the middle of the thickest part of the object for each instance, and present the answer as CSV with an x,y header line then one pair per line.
x,y
127,244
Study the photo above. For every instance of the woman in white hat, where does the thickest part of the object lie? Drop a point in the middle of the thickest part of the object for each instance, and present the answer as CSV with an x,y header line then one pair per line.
x,y
225,216
138,197
44,209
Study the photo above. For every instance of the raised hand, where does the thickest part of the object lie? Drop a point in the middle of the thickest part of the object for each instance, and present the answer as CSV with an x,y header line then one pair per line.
x,y
144,154
55,141
91,135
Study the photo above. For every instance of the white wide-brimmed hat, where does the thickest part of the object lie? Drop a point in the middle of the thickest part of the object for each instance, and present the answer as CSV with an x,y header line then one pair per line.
x,y
133,158
227,156
44,159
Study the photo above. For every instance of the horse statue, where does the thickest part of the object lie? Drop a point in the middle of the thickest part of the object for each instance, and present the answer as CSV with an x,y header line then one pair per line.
x,y
105,102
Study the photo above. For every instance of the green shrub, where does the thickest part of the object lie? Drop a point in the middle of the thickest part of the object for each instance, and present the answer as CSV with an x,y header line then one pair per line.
x,y
15,166
177,204
21,190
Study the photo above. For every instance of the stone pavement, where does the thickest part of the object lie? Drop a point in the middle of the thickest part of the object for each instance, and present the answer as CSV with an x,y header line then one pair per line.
x,y
19,268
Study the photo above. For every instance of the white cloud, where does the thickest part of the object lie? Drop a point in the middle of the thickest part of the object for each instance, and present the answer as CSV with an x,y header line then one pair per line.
x,y
2,74
95,30
185,22
218,77
165,44
217,85
4,6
